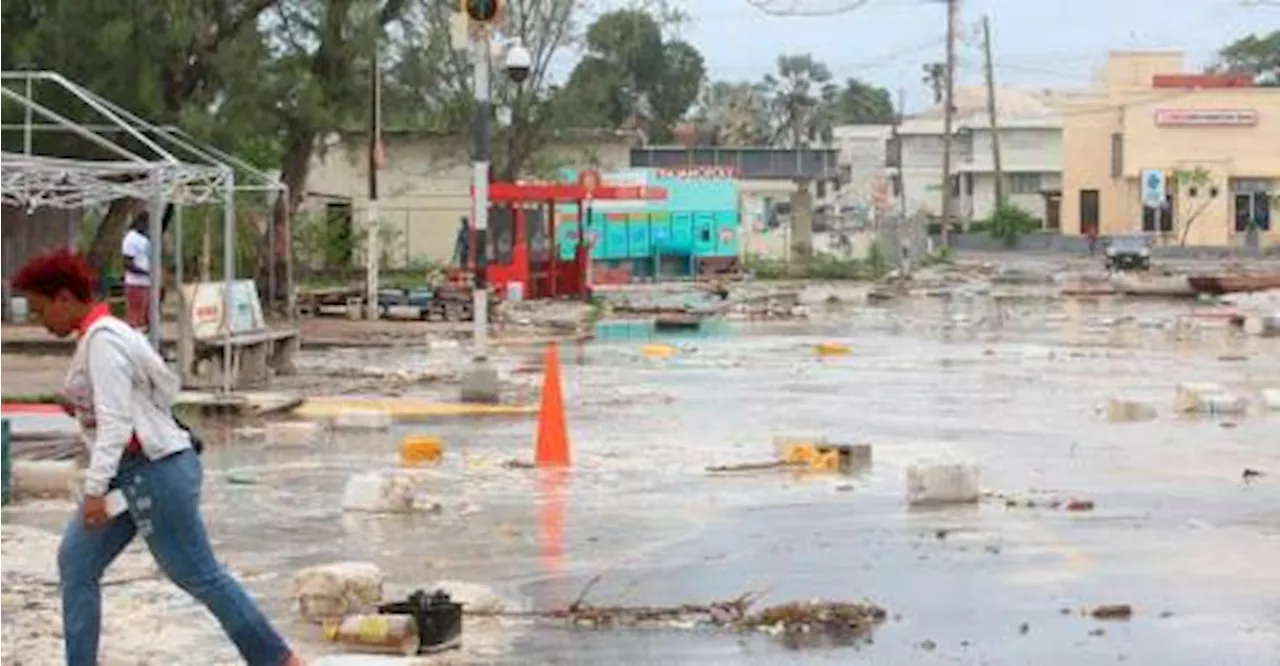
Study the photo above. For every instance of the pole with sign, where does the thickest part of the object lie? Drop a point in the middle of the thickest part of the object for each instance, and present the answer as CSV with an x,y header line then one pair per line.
x,y
1154,188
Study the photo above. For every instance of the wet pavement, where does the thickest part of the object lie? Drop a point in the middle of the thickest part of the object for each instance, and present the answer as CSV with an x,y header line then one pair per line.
x,y
1014,382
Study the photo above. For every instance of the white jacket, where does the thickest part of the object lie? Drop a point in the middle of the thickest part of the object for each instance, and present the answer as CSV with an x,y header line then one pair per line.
x,y
126,389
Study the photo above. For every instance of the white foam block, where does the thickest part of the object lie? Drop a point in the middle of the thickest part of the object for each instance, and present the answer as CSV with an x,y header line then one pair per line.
x,y
1221,403
931,483
1127,410
377,492
1271,398
337,589
1189,394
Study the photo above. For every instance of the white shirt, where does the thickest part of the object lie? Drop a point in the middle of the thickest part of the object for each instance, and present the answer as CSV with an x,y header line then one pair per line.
x,y
119,386
138,248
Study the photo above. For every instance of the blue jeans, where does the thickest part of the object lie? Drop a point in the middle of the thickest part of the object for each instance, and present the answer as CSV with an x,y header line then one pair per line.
x,y
164,508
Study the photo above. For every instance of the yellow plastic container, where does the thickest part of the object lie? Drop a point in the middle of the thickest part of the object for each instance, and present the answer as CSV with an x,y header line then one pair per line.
x,y
799,453
418,450
832,349
657,351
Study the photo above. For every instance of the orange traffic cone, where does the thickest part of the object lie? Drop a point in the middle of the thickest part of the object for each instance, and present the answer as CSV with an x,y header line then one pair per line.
x,y
553,437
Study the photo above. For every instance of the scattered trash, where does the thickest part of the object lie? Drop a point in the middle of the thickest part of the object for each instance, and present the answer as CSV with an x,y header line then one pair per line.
x,y
437,616
928,645
657,351
390,634
1251,475
418,450
1024,628
832,349
1079,505
1112,612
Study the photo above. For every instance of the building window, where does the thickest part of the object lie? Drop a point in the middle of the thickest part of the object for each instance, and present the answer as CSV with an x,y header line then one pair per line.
x,y
1023,183
1158,219
1089,212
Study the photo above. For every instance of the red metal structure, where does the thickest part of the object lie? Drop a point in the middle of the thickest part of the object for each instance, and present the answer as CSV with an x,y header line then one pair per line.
x,y
522,235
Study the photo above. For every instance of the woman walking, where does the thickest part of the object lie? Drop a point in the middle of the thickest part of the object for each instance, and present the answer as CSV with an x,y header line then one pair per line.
x,y
121,393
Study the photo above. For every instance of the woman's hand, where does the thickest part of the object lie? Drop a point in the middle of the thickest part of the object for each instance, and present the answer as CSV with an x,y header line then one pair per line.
x,y
95,511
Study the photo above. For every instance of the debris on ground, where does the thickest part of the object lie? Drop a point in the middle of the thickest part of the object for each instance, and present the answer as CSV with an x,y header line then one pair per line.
x,y
797,624
1251,475
1079,505
1046,502
933,483
1112,612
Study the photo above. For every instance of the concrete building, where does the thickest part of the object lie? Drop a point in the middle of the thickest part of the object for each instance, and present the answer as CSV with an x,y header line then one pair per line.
x,y
1209,144
861,152
425,186
1030,134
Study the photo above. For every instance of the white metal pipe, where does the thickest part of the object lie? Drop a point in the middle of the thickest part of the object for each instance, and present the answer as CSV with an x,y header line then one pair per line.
x,y
480,197
71,125
155,323
228,274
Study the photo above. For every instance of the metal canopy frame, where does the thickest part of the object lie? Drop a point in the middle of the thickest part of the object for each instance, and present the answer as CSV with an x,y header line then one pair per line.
x,y
157,164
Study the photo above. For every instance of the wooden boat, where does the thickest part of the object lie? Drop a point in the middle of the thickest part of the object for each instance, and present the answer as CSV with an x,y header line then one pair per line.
x,y
1166,286
1217,285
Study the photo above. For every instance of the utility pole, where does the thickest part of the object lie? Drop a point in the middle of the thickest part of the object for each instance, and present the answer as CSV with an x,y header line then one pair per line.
x,y
991,110
897,125
372,243
480,382
948,101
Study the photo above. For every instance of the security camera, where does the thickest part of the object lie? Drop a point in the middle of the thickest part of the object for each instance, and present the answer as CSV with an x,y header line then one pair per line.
x,y
518,63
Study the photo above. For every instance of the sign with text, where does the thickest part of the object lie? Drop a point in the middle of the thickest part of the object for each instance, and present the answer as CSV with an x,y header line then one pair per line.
x,y
205,300
1206,117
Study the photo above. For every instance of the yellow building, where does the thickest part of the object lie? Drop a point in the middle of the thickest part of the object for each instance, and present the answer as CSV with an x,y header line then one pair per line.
x,y
1209,144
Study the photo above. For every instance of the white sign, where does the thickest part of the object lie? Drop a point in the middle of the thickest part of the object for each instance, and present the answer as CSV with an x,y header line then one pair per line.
x,y
1206,117
204,303
1154,194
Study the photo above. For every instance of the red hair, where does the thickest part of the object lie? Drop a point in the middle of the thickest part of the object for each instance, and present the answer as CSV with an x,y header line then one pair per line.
x,y
49,274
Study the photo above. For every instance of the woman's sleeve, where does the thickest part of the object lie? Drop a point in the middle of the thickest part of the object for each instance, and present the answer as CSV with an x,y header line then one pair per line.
x,y
111,375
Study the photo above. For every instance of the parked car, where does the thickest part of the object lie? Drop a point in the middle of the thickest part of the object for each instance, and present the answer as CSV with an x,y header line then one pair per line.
x,y
1128,253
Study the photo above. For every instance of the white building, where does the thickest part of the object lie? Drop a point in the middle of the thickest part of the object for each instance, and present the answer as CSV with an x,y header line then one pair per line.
x,y
1030,134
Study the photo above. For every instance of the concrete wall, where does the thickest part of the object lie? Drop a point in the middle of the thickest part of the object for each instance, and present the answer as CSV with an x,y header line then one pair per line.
x,y
425,186
1127,106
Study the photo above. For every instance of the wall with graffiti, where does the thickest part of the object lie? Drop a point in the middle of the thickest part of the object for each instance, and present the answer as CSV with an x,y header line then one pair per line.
x,y
699,217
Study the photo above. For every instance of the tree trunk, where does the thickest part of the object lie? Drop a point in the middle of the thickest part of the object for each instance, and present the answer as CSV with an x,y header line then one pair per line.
x,y
299,146
104,250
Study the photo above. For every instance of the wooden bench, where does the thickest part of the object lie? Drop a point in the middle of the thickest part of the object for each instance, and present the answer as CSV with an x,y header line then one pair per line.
x,y
249,354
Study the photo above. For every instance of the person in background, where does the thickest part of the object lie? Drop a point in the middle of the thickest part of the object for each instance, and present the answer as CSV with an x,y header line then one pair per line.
x,y
121,393
462,243
136,250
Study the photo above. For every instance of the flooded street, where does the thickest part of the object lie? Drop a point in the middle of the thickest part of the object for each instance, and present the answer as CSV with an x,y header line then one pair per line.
x,y
1016,382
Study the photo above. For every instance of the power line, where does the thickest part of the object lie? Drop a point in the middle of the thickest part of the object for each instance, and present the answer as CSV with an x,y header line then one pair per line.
x,y
796,8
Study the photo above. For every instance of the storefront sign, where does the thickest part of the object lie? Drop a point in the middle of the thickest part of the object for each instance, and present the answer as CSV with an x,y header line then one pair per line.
x,y
1206,117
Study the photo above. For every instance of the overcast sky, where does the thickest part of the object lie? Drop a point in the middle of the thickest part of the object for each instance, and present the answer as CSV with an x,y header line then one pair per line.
x,y
1038,43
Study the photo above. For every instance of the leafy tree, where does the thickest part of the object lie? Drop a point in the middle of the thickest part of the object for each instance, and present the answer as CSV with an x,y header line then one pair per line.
x,y
935,78
630,75
734,114
801,97
858,103
1256,55
169,61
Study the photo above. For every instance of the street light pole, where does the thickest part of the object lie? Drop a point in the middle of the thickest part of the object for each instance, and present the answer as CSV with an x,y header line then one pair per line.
x,y
480,382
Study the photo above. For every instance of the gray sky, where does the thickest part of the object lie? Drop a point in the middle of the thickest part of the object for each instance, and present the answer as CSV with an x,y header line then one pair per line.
x,y
1038,43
